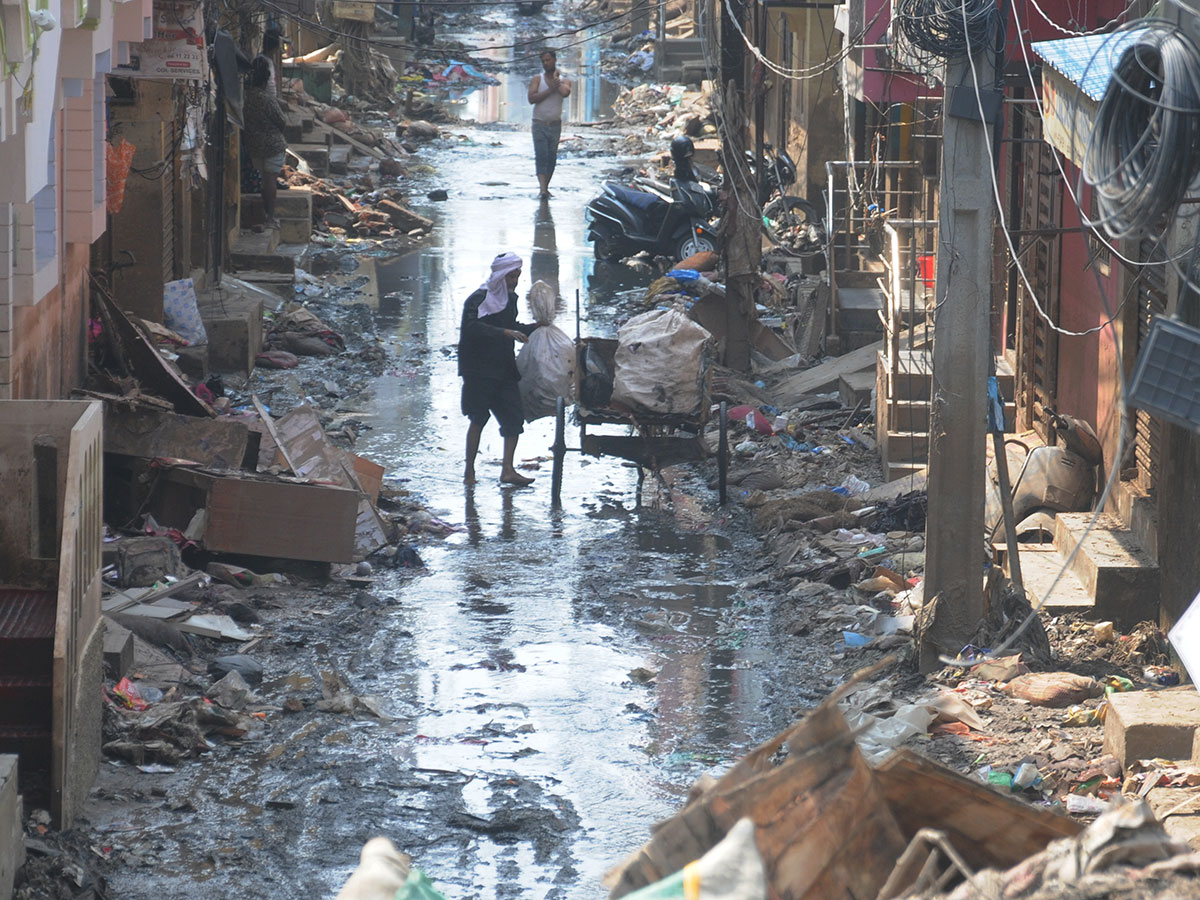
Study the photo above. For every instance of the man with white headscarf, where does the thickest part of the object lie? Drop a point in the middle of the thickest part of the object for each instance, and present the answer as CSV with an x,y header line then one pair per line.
x,y
488,368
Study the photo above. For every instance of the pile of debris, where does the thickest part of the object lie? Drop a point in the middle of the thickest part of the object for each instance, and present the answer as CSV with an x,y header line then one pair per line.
x,y
666,109
374,212
817,812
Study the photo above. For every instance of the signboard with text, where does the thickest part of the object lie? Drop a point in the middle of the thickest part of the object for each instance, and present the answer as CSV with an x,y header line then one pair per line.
x,y
177,48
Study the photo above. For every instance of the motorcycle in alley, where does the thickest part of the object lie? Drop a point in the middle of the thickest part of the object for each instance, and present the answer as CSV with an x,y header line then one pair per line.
x,y
790,222
667,220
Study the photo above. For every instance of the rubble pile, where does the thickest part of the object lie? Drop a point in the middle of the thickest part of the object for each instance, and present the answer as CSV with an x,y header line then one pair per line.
x,y
662,109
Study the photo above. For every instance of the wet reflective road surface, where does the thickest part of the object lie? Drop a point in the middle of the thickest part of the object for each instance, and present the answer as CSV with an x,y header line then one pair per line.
x,y
555,680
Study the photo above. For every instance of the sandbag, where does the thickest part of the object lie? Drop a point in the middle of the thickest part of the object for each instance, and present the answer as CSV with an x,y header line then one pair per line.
x,y
662,364
547,360
732,870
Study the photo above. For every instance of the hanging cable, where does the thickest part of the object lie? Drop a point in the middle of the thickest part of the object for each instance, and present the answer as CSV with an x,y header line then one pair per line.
x,y
945,30
1144,150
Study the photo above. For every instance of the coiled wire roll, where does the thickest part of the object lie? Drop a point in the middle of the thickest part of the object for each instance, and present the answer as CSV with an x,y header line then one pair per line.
x,y
937,30
1144,149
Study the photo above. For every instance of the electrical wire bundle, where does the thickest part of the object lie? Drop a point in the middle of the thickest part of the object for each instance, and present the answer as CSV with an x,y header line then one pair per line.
x,y
946,29
1144,150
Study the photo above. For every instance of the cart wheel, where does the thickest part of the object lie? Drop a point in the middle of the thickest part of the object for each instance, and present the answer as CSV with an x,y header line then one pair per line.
x,y
722,451
559,449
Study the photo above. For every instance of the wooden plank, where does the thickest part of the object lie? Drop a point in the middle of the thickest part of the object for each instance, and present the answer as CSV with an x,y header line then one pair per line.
x,y
214,626
369,476
269,424
150,369
154,434
122,600
986,827
342,136
825,377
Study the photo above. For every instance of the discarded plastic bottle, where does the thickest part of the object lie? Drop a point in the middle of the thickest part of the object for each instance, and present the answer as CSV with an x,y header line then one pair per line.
x,y
1027,776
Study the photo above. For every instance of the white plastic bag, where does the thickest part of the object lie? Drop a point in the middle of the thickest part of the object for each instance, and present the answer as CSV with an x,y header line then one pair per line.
x,y
181,311
547,360
662,363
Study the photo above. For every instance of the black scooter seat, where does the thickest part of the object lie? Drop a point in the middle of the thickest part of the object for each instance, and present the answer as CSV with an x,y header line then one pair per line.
x,y
639,199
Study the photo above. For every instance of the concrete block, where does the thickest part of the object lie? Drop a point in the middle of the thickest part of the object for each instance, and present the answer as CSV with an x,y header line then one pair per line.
x,y
1152,724
118,651
233,321
295,231
12,834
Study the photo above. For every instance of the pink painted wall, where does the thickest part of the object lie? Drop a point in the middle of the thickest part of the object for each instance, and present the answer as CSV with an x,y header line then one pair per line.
x,y
1087,373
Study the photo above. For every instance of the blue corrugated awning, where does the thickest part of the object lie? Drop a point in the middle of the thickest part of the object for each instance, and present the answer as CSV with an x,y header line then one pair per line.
x,y
1087,62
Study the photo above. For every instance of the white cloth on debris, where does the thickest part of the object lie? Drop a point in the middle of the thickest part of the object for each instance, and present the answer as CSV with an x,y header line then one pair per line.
x,y
497,285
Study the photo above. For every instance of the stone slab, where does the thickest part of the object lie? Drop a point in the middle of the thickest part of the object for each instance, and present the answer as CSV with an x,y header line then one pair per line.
x,y
1179,811
1152,724
12,836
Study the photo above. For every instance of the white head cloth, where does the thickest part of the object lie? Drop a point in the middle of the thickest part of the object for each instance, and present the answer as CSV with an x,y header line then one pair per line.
x,y
496,285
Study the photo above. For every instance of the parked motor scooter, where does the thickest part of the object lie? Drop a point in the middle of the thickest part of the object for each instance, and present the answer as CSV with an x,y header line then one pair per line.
x,y
668,220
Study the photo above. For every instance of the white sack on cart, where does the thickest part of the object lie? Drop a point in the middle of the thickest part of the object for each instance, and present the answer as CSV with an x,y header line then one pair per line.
x,y
547,360
662,363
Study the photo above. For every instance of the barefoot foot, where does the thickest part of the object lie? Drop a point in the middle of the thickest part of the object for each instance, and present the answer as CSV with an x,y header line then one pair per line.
x,y
515,478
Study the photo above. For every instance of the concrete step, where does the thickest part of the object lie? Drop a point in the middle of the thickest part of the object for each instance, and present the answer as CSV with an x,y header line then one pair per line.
x,y
316,155
913,377
1040,565
907,446
909,415
856,388
1006,378
1121,577
293,129
258,251
294,203
339,159
1152,724
903,470
294,231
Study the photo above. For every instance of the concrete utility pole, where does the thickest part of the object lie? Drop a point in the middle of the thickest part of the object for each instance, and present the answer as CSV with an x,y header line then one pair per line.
x,y
961,344
741,235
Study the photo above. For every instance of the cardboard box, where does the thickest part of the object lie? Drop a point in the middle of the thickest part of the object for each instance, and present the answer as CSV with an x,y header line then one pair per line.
x,y
261,516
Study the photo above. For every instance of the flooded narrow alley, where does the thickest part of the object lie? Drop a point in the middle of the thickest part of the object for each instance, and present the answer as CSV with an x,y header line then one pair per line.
x,y
556,678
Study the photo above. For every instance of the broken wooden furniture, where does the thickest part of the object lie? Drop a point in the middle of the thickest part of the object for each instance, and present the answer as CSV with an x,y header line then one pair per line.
x,y
50,560
830,825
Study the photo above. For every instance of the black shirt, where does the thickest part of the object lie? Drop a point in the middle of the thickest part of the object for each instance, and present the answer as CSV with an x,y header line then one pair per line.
x,y
484,350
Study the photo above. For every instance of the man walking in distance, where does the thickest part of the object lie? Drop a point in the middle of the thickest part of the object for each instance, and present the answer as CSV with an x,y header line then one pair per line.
x,y
546,93
489,371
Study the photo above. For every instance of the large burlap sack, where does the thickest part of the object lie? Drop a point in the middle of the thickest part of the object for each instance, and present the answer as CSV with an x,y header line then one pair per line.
x,y
662,364
547,360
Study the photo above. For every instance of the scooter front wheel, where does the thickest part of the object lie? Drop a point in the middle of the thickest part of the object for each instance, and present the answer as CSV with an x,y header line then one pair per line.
x,y
691,244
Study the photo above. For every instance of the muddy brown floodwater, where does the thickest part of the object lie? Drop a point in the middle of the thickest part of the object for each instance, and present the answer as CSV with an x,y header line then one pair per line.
x,y
555,680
